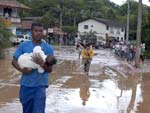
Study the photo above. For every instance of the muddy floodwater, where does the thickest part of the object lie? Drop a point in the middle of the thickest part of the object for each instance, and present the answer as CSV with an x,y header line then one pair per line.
x,y
110,86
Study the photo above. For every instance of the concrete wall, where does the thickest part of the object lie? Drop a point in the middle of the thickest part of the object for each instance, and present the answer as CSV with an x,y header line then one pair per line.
x,y
101,29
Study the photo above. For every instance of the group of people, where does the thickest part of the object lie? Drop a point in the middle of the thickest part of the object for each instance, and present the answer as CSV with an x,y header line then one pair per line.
x,y
128,51
35,60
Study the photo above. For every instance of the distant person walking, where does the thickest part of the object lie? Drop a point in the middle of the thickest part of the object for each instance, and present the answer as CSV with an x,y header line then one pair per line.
x,y
142,50
79,48
87,56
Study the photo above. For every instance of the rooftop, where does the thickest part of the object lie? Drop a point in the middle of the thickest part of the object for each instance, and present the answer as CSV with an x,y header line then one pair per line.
x,y
13,3
109,22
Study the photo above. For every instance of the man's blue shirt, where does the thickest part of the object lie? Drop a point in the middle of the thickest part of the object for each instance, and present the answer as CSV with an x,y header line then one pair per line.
x,y
33,79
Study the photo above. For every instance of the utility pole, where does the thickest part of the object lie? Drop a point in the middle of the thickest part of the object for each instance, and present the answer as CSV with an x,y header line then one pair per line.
x,y
127,27
138,34
60,25
60,21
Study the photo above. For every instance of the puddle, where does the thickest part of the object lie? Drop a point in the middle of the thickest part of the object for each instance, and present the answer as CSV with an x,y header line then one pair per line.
x,y
104,90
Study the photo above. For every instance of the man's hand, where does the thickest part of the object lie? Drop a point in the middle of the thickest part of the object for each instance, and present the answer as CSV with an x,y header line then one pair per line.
x,y
26,70
47,68
37,59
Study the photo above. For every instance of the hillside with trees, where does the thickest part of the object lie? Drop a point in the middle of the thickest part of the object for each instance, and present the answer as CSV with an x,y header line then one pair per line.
x,y
75,11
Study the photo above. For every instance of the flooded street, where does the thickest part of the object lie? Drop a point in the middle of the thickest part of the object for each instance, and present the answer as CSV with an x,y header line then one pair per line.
x,y
111,87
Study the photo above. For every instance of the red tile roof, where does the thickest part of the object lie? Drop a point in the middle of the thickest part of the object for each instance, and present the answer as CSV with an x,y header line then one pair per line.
x,y
13,3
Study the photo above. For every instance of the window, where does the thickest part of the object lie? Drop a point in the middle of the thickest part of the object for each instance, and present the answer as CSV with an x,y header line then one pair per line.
x,y
122,30
20,36
91,25
107,27
85,26
112,30
7,12
118,31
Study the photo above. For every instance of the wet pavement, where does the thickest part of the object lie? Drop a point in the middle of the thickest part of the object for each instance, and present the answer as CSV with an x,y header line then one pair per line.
x,y
111,87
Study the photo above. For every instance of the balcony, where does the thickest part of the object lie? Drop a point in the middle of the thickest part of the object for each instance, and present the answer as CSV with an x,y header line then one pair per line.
x,y
9,21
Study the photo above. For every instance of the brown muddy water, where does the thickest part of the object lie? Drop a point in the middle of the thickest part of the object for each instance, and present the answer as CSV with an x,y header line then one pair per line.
x,y
105,90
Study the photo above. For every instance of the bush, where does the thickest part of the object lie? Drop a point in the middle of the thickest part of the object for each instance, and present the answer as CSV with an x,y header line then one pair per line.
x,y
147,54
4,37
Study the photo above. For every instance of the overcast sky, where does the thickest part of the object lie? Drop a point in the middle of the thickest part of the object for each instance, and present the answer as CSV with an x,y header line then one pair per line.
x,y
120,2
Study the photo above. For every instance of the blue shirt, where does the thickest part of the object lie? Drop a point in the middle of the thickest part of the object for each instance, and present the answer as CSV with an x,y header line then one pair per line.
x,y
33,79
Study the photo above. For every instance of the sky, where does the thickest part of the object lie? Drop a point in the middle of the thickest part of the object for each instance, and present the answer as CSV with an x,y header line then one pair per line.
x,y
120,2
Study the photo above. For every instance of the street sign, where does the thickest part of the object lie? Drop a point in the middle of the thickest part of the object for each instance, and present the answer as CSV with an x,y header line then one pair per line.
x,y
50,30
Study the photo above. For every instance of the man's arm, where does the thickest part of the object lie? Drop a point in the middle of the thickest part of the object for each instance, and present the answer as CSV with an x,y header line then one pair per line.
x,y
24,70
38,60
47,68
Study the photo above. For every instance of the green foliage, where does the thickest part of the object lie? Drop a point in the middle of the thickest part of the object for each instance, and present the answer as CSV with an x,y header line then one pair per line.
x,y
69,29
75,11
4,37
90,37
146,26
146,36
147,54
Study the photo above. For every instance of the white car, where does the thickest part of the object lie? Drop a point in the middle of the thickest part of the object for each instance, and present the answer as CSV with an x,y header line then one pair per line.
x,y
18,39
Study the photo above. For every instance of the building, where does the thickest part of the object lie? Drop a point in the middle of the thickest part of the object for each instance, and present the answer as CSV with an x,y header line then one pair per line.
x,y
105,30
25,25
9,14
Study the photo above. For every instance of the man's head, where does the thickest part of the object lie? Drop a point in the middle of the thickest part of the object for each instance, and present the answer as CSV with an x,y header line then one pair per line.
x,y
83,103
87,46
37,31
50,60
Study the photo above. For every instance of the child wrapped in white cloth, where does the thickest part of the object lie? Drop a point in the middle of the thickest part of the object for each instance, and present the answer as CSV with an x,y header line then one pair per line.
x,y
25,60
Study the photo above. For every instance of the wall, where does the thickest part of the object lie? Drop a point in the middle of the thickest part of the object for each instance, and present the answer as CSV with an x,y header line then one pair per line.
x,y
100,29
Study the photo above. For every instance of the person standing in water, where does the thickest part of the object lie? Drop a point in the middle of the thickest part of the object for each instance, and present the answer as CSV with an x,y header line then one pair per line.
x,y
87,56
33,84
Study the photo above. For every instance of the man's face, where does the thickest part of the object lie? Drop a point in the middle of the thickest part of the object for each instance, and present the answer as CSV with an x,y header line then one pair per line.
x,y
37,33
88,47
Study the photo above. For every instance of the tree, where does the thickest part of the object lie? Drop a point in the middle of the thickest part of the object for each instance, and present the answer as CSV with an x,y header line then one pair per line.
x,y
4,37
138,34
89,37
75,11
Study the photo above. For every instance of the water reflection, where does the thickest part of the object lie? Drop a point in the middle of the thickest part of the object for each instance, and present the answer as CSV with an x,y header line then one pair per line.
x,y
8,78
84,89
143,106
105,92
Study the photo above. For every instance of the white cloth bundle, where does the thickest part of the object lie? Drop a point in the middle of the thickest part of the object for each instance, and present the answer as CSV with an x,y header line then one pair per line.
x,y
25,60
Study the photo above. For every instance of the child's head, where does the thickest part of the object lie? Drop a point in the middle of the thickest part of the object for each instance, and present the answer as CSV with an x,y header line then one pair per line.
x,y
37,49
50,60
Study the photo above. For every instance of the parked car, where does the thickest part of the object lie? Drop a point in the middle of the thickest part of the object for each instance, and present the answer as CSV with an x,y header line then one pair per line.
x,y
18,39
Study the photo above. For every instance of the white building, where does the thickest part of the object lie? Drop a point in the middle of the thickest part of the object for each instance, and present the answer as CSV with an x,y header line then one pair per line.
x,y
103,28
9,14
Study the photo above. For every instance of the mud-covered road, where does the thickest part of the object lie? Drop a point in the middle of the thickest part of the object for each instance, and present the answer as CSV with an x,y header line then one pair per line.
x,y
111,87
